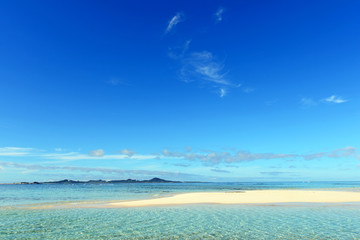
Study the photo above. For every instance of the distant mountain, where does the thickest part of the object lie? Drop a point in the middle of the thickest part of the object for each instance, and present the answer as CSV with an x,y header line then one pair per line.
x,y
66,181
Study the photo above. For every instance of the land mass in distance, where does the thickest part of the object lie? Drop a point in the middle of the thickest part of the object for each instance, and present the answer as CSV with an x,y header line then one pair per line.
x,y
66,181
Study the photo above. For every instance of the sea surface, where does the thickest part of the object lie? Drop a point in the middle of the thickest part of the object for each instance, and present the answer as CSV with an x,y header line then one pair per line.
x,y
18,220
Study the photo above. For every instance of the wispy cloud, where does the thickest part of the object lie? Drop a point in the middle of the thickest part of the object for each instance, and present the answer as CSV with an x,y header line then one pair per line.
x,y
182,165
204,68
97,153
213,158
248,89
73,156
15,151
219,13
179,17
274,173
119,172
128,152
178,52
337,153
117,82
219,170
308,102
113,82
335,99
205,157
222,92
62,156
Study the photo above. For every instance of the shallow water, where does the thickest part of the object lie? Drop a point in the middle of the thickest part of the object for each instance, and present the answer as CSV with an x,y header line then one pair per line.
x,y
176,222
185,222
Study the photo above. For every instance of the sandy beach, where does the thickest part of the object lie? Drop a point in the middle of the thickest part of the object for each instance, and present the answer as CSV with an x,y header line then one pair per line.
x,y
247,197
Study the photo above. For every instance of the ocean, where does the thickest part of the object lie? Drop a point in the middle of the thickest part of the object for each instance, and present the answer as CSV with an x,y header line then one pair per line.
x,y
203,221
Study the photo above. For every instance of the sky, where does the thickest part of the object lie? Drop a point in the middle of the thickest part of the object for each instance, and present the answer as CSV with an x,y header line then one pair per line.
x,y
182,90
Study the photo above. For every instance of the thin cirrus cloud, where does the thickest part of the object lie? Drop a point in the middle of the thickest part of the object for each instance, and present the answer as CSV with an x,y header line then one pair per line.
x,y
222,92
220,170
219,14
15,151
204,68
334,99
308,101
275,173
175,20
201,66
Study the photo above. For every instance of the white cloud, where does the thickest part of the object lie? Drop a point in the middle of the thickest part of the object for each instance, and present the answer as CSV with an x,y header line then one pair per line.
x,y
174,21
97,153
222,92
119,172
203,66
128,152
113,82
219,170
15,151
212,157
275,173
335,99
219,13
337,153
248,89
308,101
73,156
179,51
206,157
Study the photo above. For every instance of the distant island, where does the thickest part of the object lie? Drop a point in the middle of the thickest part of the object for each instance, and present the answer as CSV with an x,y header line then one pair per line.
x,y
66,181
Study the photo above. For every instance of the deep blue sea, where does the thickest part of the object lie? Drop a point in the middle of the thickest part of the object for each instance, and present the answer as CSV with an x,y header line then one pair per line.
x,y
203,221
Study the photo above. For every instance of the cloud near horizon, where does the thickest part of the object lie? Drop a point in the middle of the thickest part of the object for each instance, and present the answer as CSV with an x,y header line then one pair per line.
x,y
275,173
213,158
121,172
97,153
15,151
128,152
220,170
205,157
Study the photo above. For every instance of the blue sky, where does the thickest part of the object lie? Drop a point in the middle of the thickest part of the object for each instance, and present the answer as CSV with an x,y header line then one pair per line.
x,y
183,90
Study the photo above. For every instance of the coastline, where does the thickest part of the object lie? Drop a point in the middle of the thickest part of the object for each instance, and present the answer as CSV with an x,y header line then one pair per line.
x,y
245,197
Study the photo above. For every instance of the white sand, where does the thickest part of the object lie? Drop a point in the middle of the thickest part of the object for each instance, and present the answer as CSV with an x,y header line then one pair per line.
x,y
247,197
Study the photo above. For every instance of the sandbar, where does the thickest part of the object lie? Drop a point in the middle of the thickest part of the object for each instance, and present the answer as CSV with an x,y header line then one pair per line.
x,y
247,197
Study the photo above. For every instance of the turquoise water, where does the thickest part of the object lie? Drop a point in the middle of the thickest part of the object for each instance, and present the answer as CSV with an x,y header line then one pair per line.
x,y
176,222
